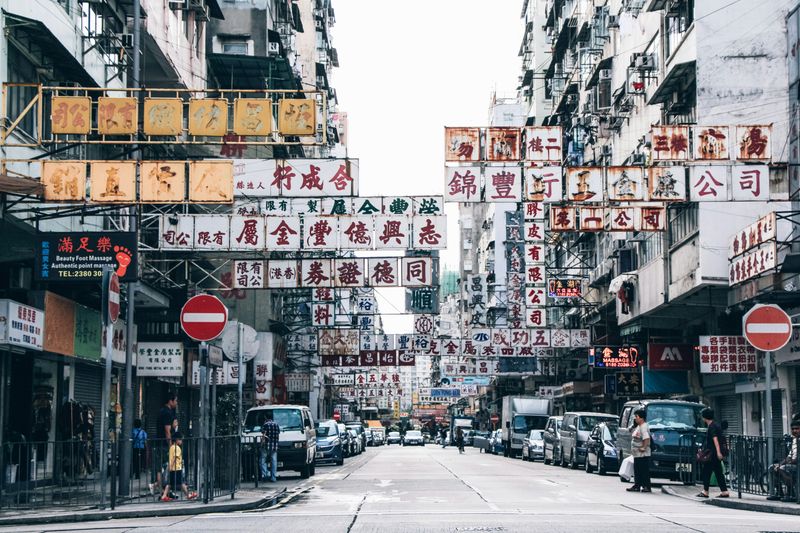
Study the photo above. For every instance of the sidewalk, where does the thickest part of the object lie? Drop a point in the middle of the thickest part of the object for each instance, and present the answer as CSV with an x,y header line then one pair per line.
x,y
248,497
748,502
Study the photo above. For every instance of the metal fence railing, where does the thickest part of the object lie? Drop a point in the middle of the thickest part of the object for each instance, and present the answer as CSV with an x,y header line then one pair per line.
x,y
747,468
38,475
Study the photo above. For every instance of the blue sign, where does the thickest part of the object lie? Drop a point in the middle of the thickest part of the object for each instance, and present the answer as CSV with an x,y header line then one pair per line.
x,y
611,384
445,393
481,381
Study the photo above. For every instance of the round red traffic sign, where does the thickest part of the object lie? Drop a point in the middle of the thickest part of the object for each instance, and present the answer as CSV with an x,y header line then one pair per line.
x,y
203,317
113,297
336,416
767,327
495,418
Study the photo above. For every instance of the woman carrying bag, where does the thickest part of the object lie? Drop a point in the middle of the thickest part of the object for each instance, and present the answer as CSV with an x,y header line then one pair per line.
x,y
640,450
712,454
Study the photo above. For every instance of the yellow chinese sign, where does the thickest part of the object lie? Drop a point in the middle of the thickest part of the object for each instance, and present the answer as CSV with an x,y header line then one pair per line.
x,y
71,114
162,182
211,181
64,180
163,116
113,181
297,117
117,116
208,117
252,116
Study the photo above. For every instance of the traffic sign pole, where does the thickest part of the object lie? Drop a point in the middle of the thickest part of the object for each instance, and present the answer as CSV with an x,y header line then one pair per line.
x,y
106,390
767,328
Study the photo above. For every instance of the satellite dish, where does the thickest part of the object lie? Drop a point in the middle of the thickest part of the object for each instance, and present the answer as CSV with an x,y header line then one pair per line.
x,y
229,342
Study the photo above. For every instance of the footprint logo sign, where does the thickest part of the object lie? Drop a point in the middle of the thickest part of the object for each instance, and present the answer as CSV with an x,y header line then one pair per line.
x,y
124,257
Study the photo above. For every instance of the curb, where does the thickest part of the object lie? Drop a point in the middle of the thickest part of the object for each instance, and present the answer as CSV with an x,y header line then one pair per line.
x,y
736,503
93,516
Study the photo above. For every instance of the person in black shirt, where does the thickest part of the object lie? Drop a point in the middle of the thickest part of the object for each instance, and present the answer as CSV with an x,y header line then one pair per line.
x,y
167,415
713,447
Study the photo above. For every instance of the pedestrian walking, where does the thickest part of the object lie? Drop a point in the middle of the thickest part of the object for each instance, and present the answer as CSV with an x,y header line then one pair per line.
x,y
640,450
711,455
443,437
175,471
460,440
167,420
271,433
139,440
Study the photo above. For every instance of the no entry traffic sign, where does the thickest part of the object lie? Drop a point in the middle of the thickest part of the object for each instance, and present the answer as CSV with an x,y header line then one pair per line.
x,y
203,317
113,297
767,327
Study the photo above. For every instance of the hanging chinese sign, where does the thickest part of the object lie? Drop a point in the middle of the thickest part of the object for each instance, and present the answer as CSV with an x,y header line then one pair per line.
x,y
565,288
255,178
754,250
615,357
190,117
159,359
293,233
720,354
84,256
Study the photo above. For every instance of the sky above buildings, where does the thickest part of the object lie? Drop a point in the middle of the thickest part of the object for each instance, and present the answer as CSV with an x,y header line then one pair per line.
x,y
407,70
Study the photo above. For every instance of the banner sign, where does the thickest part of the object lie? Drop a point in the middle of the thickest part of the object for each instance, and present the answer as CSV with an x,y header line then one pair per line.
x,y
753,263
565,288
341,273
160,359
333,206
83,256
298,382
753,236
299,178
437,393
721,354
21,325
670,356
227,374
344,379
218,233
628,384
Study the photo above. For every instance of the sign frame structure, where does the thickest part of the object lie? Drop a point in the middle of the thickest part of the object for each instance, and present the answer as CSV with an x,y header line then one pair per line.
x,y
203,309
91,98
767,327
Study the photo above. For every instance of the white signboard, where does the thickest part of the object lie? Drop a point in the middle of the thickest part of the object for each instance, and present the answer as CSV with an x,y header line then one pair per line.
x,y
160,359
723,354
21,325
304,178
298,382
344,379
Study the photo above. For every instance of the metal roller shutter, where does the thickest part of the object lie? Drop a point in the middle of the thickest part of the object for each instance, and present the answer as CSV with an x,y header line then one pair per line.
x,y
89,385
777,413
729,408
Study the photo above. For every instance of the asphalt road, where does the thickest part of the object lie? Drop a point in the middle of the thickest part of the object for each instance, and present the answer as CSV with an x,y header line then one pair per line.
x,y
392,489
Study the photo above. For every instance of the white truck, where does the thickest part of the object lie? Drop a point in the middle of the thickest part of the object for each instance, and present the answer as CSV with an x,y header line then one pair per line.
x,y
520,415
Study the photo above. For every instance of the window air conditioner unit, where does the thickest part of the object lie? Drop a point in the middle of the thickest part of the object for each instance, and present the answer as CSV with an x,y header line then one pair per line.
x,y
274,48
318,24
126,39
645,62
604,74
613,21
177,4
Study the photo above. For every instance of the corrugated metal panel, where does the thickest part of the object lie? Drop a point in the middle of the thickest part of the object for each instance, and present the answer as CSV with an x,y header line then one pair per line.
x,y
729,408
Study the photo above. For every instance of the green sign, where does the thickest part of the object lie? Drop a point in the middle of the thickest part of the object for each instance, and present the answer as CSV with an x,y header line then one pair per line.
x,y
88,333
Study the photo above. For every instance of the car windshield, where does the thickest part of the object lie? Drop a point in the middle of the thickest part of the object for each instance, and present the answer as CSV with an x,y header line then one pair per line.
x,y
326,430
413,433
524,423
357,429
587,423
610,433
481,433
394,434
287,419
536,434
676,417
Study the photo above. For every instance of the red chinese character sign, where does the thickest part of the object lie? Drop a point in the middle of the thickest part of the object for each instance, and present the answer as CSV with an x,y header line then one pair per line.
x,y
462,144
750,182
753,142
503,184
503,144
667,184
720,354
711,143
429,232
544,184
708,183
463,184
543,144
585,184
298,178
670,143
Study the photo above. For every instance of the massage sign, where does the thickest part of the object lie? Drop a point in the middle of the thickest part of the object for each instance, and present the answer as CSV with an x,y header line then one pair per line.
x,y
83,256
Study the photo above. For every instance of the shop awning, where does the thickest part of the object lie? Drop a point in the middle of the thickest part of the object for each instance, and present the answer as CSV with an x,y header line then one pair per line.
x,y
21,186
676,79
44,49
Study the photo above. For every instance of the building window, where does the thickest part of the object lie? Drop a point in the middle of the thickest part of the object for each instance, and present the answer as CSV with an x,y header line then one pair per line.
x,y
650,248
683,223
20,70
677,23
235,47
